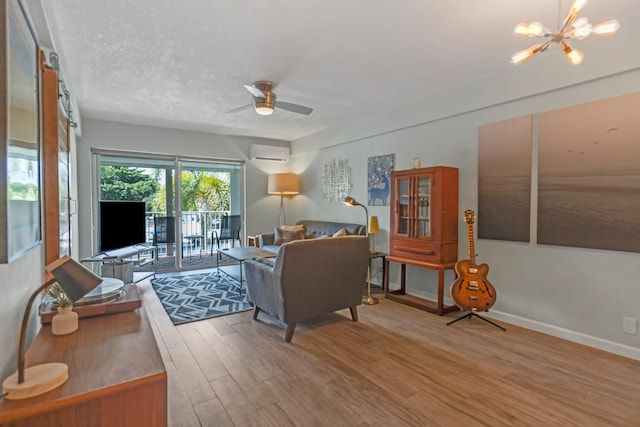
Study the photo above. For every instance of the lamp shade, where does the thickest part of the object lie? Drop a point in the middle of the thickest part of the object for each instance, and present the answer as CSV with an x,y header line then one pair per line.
x,y
283,184
350,201
74,278
373,224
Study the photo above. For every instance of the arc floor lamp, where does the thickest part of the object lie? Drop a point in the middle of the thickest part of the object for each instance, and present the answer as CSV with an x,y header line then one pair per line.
x,y
350,201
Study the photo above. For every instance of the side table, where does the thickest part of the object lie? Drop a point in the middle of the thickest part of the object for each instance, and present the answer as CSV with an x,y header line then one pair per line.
x,y
383,255
401,296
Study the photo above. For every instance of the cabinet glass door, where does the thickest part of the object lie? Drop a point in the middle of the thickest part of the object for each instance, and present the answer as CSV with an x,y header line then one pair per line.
x,y
423,208
403,207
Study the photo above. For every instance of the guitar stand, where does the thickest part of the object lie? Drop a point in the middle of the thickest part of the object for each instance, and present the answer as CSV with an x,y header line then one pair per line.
x,y
471,313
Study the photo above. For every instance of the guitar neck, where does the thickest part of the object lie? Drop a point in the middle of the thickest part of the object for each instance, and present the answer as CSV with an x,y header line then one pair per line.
x,y
472,248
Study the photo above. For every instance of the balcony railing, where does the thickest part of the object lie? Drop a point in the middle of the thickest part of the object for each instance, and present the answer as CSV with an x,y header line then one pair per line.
x,y
195,226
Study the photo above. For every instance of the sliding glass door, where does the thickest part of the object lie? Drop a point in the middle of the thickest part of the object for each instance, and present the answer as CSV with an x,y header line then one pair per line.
x,y
186,202
210,194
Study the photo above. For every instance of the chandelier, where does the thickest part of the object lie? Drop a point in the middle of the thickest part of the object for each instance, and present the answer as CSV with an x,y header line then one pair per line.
x,y
572,28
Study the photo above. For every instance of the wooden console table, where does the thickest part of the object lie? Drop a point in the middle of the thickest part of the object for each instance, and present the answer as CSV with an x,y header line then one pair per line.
x,y
116,376
401,296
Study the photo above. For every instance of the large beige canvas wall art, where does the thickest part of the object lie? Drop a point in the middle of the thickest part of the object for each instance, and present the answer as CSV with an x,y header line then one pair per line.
x,y
504,180
589,175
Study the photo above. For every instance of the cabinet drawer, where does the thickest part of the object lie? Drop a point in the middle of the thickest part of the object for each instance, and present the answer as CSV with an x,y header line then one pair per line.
x,y
424,251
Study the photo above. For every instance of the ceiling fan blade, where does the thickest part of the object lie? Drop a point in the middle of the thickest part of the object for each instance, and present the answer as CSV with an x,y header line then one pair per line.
x,y
255,91
296,108
244,107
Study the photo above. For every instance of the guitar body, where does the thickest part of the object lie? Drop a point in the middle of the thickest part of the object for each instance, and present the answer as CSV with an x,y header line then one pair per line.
x,y
472,290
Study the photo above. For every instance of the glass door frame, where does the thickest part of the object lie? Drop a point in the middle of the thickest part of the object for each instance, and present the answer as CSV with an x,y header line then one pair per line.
x,y
177,190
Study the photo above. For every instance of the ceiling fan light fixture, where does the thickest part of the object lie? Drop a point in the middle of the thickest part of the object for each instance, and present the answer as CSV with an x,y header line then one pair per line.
x,y
264,111
264,100
264,106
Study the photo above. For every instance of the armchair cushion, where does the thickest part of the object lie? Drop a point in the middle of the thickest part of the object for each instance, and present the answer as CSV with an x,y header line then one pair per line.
x,y
266,261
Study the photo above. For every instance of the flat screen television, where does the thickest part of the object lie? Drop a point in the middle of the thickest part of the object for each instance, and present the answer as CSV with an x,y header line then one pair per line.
x,y
122,223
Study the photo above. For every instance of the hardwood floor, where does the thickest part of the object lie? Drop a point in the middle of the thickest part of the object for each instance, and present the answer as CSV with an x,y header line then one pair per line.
x,y
397,366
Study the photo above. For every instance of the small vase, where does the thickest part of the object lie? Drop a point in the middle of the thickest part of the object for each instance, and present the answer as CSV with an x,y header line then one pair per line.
x,y
65,322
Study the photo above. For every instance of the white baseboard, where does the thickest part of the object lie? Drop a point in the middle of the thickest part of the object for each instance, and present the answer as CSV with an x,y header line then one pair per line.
x,y
577,337
555,331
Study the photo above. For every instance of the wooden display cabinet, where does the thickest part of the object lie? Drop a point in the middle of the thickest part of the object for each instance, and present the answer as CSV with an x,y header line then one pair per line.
x,y
424,228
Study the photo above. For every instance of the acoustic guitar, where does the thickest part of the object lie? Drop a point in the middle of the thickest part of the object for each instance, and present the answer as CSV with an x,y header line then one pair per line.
x,y
471,290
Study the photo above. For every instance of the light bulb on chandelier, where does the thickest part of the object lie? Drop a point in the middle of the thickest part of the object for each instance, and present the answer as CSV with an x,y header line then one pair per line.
x,y
572,28
573,55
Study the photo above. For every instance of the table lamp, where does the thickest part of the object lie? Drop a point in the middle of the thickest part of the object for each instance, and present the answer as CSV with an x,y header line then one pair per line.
x,y
76,281
350,201
283,184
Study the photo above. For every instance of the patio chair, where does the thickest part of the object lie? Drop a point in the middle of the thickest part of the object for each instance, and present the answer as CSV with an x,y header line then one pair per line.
x,y
229,231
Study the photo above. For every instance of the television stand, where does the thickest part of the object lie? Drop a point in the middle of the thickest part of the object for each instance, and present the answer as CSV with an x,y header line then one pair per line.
x,y
114,257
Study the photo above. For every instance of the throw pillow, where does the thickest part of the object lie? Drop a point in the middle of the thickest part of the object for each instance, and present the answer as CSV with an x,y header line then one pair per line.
x,y
293,227
341,232
283,236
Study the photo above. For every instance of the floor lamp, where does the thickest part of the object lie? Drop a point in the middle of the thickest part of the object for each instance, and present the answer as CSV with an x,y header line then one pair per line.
x,y
283,184
373,229
369,300
76,281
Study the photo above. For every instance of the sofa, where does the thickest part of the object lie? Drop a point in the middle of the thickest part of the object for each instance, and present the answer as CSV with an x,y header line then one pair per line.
x,y
314,229
309,278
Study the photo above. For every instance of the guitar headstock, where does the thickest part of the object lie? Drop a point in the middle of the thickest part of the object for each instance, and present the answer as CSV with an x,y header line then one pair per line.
x,y
469,216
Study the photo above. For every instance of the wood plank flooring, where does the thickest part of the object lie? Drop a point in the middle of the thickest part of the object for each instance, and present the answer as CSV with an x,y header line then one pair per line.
x,y
397,366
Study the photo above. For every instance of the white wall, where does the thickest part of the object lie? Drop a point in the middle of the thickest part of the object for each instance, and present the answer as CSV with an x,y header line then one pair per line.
x,y
144,139
577,294
18,280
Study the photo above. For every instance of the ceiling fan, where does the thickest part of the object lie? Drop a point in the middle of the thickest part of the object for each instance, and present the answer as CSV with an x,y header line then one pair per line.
x,y
264,100
572,28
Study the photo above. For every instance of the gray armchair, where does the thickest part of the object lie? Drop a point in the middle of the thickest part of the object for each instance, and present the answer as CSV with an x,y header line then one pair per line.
x,y
309,278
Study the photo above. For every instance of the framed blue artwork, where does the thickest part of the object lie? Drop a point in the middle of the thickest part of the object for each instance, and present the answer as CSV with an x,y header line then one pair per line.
x,y
379,172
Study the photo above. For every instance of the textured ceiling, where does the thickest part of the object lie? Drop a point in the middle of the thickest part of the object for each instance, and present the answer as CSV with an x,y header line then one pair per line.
x,y
183,64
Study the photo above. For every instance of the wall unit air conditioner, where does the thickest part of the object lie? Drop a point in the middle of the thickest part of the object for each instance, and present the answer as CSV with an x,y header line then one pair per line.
x,y
269,153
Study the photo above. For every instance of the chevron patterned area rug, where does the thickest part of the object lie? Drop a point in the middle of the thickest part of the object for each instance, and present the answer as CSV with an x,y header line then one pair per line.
x,y
199,296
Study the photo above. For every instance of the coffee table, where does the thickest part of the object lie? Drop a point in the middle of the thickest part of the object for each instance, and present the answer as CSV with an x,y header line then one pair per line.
x,y
241,255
